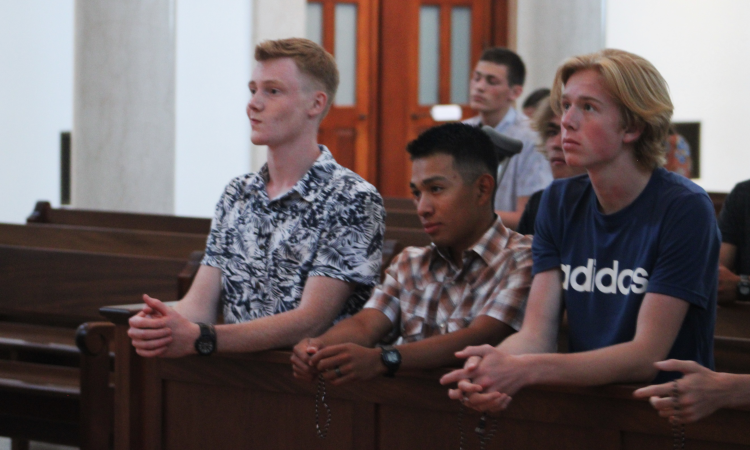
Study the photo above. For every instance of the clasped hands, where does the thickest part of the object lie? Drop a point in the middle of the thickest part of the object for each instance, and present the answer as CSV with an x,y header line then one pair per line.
x,y
339,364
159,330
488,379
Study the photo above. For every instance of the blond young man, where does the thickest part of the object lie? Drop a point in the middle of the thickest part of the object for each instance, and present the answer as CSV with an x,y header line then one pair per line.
x,y
291,248
633,247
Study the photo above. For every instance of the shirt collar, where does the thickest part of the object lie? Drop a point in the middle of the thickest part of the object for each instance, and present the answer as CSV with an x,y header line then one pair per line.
x,y
312,182
487,247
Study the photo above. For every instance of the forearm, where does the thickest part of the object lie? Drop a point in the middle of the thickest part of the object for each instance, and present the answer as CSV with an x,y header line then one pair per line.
x,y
738,389
621,363
524,343
365,328
278,331
439,351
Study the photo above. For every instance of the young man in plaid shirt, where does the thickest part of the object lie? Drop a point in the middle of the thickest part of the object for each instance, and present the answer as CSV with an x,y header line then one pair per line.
x,y
468,288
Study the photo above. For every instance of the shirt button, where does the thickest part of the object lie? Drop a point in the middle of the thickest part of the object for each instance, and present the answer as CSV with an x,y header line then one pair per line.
x,y
443,327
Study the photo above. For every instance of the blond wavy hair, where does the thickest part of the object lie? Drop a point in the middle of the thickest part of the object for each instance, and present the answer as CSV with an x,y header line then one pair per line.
x,y
640,90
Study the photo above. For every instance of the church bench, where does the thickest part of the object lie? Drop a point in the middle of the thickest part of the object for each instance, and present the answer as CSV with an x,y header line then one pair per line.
x,y
408,237
60,404
44,214
400,216
66,287
44,295
718,198
399,203
253,401
103,240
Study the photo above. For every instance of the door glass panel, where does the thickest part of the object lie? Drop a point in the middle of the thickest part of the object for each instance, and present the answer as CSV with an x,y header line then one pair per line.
x,y
429,54
345,51
460,54
314,25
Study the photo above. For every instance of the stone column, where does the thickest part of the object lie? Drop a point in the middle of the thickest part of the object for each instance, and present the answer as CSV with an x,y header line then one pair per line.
x,y
274,19
124,106
549,31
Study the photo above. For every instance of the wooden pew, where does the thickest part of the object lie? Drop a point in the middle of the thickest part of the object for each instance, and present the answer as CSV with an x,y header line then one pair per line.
x,y
408,237
103,240
44,295
66,287
405,204
253,401
44,214
403,216
718,198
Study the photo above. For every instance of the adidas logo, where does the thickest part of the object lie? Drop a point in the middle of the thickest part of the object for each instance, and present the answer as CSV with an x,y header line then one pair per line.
x,y
609,280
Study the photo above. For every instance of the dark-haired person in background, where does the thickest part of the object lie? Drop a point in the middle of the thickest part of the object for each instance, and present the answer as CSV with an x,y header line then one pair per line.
x,y
533,101
496,84
469,287
734,256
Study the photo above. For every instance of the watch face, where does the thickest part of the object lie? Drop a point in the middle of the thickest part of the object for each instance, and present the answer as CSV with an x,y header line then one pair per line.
x,y
744,289
391,357
205,346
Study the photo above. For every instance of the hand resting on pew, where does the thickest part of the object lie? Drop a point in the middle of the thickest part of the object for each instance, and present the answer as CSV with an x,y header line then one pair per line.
x,y
700,392
162,331
157,327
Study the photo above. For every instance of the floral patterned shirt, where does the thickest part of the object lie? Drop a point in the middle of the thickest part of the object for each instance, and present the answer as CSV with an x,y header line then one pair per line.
x,y
330,224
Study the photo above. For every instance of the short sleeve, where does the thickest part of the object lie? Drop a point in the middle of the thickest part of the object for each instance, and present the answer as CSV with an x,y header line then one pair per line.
x,y
217,241
548,225
507,302
687,263
731,218
385,297
351,244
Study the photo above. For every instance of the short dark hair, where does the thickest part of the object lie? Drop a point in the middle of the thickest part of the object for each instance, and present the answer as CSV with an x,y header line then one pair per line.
x,y
509,59
472,150
536,97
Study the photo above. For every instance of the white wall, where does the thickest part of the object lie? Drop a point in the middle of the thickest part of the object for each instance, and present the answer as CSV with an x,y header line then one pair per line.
x,y
36,101
214,54
701,48
550,31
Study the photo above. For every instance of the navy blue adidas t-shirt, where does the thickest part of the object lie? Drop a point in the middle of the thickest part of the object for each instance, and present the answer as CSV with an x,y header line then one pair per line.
x,y
666,242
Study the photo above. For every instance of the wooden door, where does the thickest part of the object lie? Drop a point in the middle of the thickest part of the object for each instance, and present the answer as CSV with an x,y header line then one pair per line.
x,y
348,30
428,49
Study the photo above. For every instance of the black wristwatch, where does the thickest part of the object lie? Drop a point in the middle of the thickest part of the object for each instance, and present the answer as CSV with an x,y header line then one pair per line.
x,y
391,360
206,342
743,288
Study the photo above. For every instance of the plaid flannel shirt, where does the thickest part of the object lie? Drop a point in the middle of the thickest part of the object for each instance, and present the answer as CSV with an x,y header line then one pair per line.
x,y
424,294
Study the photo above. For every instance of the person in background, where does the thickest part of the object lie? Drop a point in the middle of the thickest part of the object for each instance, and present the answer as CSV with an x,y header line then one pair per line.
x,y
532,102
547,125
734,257
497,82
